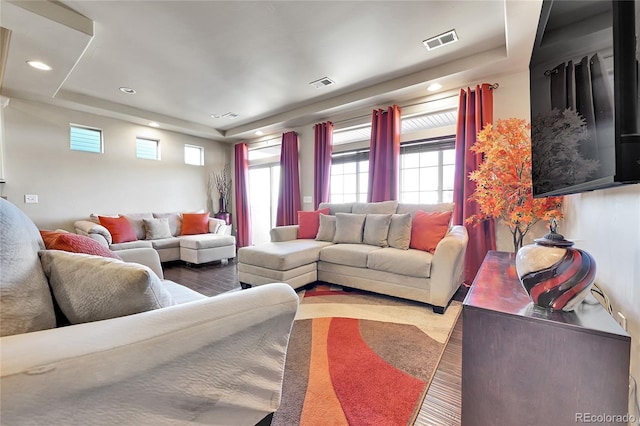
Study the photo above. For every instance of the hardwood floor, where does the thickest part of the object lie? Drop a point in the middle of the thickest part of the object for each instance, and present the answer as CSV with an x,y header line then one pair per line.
x,y
441,406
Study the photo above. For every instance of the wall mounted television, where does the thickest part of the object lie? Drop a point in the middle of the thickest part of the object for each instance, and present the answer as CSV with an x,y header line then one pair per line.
x,y
584,77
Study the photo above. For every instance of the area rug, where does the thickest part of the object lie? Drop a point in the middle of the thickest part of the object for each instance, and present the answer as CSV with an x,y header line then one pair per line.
x,y
360,359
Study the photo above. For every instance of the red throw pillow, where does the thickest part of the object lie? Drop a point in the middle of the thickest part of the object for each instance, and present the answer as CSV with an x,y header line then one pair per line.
x,y
195,223
119,227
428,228
74,243
309,222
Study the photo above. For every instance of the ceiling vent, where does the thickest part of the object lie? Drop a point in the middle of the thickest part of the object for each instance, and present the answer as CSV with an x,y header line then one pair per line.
x,y
324,81
441,40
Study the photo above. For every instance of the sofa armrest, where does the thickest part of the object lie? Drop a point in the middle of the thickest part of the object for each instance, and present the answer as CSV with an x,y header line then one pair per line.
x,y
93,230
145,256
284,233
218,360
447,265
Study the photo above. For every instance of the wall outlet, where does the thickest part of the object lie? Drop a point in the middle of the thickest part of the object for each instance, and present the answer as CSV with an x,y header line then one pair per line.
x,y
622,320
30,198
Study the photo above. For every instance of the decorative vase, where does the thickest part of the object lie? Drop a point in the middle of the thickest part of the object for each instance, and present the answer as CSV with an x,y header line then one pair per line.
x,y
223,205
555,275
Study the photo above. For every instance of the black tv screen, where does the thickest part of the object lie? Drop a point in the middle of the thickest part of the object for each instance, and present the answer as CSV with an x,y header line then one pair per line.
x,y
584,96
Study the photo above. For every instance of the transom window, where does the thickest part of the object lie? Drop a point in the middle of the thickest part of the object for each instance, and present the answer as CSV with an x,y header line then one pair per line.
x,y
88,139
148,149
194,155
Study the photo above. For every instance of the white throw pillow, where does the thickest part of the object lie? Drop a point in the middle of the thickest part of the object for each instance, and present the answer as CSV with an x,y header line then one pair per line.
x,y
327,228
349,228
376,229
157,228
400,231
93,288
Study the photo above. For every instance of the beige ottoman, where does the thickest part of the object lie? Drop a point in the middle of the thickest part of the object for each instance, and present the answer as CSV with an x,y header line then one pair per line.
x,y
205,248
293,262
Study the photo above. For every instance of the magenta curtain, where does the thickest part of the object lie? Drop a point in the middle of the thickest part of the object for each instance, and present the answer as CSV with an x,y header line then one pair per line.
x,y
474,112
384,155
289,195
243,217
323,143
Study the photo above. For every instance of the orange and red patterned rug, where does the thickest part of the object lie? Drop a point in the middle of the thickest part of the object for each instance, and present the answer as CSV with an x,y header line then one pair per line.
x,y
360,359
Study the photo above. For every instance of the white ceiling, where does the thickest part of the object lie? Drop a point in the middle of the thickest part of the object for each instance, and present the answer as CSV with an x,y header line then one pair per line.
x,y
190,59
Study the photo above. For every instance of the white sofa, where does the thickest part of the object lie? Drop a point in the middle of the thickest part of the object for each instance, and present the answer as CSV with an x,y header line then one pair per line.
x,y
411,274
218,244
214,361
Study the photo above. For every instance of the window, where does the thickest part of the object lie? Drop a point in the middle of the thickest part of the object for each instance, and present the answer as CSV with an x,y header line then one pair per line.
x,y
264,183
194,155
148,149
86,139
427,169
349,176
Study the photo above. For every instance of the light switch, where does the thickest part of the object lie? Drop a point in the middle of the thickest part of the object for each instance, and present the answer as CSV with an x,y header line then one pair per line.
x,y
30,198
307,199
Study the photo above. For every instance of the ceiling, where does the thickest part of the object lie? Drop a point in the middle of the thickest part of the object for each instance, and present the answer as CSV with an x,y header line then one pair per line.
x,y
188,60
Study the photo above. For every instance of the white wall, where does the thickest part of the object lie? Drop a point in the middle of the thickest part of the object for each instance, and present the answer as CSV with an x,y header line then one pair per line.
x,y
72,184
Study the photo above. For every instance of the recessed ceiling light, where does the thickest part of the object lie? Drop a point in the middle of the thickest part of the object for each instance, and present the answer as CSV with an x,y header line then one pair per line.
x,y
440,40
433,87
39,65
128,90
259,133
154,124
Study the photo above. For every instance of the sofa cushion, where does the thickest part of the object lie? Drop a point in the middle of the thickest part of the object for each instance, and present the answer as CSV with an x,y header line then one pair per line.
x,y
309,222
428,228
400,231
337,208
348,254
119,227
376,229
93,288
25,298
137,223
195,223
414,263
205,241
327,229
74,243
166,243
283,255
349,228
157,228
383,207
175,222
131,244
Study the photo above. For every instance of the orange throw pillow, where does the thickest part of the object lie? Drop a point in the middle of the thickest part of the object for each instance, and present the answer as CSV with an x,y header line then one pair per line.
x,y
74,243
195,223
120,229
309,223
427,229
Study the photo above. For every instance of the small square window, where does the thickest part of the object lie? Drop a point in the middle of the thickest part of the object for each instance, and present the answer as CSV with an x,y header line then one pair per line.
x,y
148,149
86,139
194,155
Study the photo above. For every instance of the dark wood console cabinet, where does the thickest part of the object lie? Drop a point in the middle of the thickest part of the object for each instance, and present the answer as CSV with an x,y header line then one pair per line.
x,y
523,365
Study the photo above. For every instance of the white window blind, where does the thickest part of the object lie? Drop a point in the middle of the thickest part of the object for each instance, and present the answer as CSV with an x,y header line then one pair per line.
x,y
148,149
86,139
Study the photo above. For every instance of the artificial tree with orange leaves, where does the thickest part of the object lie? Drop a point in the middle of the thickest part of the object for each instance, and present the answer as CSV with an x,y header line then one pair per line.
x,y
503,180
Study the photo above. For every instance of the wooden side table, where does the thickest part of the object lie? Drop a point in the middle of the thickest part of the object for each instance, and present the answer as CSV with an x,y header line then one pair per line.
x,y
524,365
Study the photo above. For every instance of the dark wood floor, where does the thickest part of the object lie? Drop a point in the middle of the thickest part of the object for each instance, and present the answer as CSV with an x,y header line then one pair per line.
x,y
442,403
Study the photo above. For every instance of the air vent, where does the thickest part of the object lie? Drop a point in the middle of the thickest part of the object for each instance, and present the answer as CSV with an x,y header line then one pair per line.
x,y
441,40
324,81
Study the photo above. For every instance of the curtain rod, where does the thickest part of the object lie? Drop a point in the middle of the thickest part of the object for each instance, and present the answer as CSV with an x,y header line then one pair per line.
x,y
493,86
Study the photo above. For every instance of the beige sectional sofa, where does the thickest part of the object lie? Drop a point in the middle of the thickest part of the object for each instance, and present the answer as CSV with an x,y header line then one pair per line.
x,y
201,360
413,274
218,244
